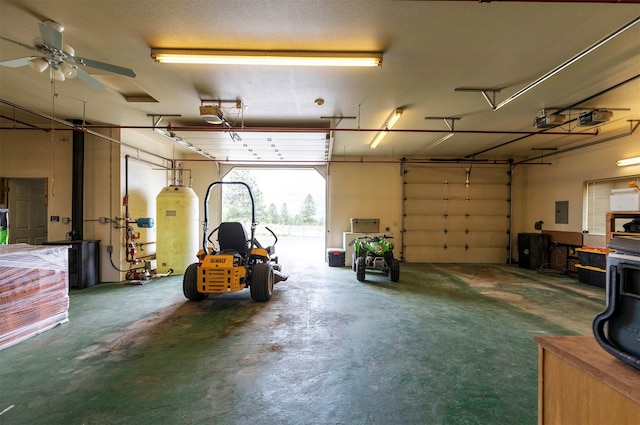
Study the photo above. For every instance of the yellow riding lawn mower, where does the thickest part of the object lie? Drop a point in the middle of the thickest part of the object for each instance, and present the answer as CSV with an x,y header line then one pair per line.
x,y
238,262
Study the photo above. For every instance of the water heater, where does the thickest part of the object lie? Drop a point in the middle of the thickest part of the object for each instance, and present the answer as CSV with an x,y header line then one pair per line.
x,y
176,229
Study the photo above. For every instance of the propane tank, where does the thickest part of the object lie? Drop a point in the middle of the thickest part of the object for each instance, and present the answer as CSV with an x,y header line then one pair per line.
x,y
176,229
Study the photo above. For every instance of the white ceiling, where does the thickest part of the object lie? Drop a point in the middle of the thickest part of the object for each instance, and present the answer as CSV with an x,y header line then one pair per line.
x,y
430,49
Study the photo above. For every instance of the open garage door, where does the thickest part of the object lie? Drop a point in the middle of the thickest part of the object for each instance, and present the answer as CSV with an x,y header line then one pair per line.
x,y
456,214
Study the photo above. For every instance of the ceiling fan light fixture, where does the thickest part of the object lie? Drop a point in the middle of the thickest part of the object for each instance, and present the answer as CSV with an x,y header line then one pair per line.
x,y
68,70
211,114
254,57
39,64
57,74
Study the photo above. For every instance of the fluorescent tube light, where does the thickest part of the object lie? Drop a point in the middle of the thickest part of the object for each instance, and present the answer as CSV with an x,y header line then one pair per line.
x,y
253,57
395,116
628,161
434,144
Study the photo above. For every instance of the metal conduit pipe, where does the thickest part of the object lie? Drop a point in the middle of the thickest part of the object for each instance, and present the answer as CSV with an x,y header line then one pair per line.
x,y
634,125
34,127
75,127
598,94
89,129
566,108
327,129
567,63
358,161
126,175
558,1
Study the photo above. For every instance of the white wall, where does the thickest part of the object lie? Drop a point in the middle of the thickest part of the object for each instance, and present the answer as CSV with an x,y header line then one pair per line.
x,y
564,180
25,154
40,154
361,190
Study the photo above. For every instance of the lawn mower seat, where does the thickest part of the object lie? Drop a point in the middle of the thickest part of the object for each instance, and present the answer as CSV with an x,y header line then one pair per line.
x,y
232,236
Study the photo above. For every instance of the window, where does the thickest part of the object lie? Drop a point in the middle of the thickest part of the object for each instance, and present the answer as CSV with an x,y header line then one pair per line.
x,y
597,201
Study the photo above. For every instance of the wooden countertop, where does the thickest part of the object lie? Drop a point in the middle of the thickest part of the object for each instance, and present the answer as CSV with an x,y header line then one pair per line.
x,y
586,354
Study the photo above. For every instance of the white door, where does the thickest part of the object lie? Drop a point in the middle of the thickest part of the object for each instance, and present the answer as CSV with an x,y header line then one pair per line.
x,y
27,211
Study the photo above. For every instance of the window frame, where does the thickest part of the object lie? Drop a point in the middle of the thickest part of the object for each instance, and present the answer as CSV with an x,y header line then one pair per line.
x,y
597,203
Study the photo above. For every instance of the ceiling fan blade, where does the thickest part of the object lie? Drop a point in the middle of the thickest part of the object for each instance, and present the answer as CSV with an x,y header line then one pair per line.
x,y
50,36
105,66
89,80
25,46
16,63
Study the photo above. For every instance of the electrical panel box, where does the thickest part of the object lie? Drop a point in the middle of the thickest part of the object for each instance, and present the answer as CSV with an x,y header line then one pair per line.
x,y
562,212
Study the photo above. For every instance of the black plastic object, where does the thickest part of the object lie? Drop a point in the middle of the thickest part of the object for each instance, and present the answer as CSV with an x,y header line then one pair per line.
x,y
335,257
632,226
617,329
533,250
84,262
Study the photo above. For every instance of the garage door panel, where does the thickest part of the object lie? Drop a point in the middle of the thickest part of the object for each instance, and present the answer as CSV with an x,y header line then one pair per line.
x,y
492,192
439,222
456,207
498,192
426,174
454,255
471,239
425,191
455,174
475,216
459,191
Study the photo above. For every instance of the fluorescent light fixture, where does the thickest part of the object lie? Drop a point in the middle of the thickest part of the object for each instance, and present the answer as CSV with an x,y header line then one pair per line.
x,y
450,122
628,161
393,118
254,57
434,144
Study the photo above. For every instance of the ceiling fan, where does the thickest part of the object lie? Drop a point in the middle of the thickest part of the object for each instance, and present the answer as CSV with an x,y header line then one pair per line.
x,y
60,58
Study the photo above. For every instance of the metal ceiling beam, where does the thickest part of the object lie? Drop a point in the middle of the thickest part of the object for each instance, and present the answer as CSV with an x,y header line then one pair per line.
x,y
318,130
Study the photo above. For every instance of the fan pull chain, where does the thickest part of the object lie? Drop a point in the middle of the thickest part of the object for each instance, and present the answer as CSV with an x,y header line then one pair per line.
x,y
53,139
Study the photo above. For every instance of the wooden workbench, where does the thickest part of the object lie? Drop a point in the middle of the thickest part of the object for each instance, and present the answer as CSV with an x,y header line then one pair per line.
x,y
580,383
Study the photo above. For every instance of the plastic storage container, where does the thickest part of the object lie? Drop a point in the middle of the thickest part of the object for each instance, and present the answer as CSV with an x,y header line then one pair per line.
x,y
365,225
335,257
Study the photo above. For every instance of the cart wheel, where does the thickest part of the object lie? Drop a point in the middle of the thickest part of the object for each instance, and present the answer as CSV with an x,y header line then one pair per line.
x,y
353,261
190,283
394,270
262,282
360,269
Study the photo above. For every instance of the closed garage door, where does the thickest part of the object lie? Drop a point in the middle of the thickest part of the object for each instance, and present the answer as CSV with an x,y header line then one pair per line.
x,y
456,214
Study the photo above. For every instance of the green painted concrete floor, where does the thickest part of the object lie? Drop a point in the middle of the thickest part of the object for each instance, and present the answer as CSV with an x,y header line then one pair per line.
x,y
448,344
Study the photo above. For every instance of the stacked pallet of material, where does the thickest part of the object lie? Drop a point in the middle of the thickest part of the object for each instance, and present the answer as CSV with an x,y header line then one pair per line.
x,y
34,291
